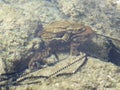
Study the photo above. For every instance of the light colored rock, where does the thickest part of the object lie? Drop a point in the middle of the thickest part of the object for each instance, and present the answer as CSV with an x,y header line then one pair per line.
x,y
43,10
17,35
95,74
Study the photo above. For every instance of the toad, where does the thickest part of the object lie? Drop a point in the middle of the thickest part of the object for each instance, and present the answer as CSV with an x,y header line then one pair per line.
x,y
61,36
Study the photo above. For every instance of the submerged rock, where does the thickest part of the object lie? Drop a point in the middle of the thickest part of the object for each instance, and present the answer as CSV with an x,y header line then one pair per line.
x,y
95,74
20,20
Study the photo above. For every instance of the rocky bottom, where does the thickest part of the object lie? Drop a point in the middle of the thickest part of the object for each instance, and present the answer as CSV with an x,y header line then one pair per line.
x,y
71,73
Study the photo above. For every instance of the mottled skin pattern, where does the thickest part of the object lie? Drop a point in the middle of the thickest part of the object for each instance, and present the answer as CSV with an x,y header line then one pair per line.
x,y
62,36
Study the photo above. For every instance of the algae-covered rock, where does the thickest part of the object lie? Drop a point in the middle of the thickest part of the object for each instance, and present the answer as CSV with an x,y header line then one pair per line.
x,y
17,35
98,47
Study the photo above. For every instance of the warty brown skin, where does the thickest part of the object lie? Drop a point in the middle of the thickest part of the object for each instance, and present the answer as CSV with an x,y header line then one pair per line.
x,y
61,38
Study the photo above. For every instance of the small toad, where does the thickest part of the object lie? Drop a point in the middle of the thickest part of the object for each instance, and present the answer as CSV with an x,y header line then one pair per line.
x,y
61,36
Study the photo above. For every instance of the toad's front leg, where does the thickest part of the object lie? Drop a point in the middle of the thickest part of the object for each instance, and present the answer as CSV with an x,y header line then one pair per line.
x,y
74,48
76,41
36,64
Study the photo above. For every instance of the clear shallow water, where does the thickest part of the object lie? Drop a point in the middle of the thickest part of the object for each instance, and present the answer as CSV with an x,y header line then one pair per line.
x,y
99,15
